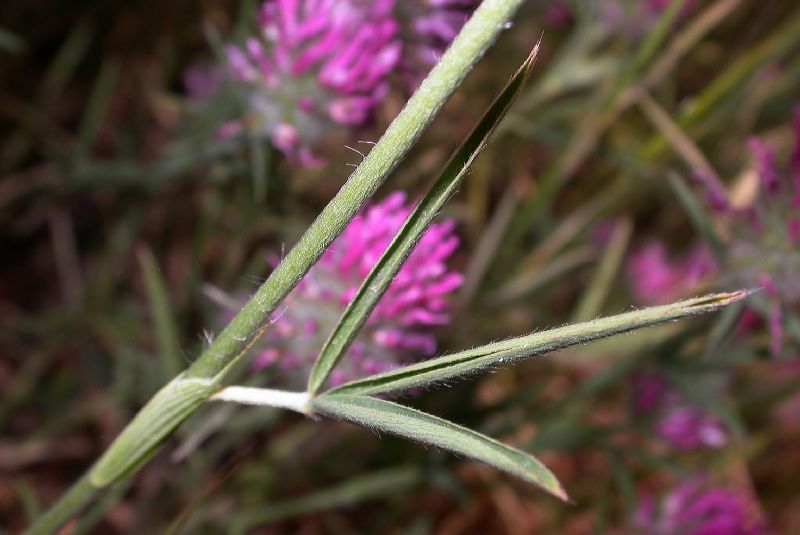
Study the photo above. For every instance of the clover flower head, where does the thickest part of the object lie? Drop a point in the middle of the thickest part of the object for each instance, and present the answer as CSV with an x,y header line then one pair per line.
x,y
315,64
763,237
399,330
697,508
678,421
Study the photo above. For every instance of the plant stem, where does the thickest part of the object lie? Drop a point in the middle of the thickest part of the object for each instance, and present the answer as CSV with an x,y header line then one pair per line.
x,y
282,399
80,493
249,324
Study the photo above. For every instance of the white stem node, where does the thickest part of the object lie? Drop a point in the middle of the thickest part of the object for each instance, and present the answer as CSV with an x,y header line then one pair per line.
x,y
282,399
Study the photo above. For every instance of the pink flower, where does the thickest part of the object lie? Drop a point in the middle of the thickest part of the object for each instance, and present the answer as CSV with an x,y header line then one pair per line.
x,y
400,329
315,64
657,279
678,421
696,508
763,245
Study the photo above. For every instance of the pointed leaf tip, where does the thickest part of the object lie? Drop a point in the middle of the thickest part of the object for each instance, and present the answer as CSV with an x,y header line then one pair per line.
x,y
430,430
470,361
414,227
712,302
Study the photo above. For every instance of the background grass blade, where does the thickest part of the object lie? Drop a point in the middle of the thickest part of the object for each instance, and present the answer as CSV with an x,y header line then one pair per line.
x,y
596,293
420,427
169,356
470,361
696,212
381,276
355,491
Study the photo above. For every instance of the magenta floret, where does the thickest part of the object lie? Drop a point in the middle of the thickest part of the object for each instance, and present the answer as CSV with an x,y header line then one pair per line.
x,y
399,330
696,508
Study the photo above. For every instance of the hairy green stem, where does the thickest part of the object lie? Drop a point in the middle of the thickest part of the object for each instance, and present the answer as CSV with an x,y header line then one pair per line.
x,y
158,419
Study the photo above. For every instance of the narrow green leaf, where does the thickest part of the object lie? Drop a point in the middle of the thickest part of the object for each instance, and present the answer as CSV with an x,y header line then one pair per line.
x,y
70,54
259,166
695,212
723,327
507,351
163,321
381,276
624,481
594,297
97,107
420,427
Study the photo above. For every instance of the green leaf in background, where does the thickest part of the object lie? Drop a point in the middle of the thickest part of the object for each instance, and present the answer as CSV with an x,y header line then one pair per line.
x,y
169,355
695,212
596,293
11,42
259,165
390,263
473,360
354,491
652,44
97,108
420,427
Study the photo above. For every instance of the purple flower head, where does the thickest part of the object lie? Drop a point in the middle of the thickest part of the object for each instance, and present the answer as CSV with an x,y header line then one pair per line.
x,y
762,237
696,508
677,420
315,64
399,330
